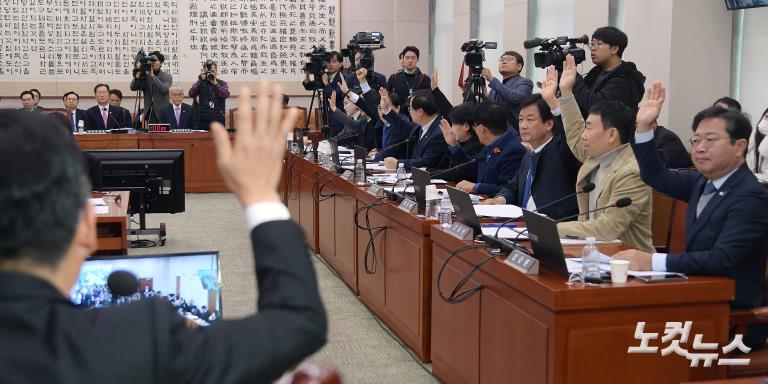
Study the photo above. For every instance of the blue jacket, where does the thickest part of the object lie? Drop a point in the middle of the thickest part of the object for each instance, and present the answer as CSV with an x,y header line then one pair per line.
x,y
729,238
497,163
426,151
510,93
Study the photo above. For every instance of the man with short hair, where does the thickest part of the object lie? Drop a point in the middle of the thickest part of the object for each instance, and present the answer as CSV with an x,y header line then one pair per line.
x,y
428,145
329,82
75,116
178,114
374,79
49,229
27,102
500,157
410,79
103,116
37,96
211,93
601,144
548,172
115,99
513,87
726,230
611,78
728,103
155,86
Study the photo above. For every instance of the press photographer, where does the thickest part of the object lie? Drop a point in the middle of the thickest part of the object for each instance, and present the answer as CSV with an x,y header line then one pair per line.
x,y
211,96
324,67
360,52
512,89
149,78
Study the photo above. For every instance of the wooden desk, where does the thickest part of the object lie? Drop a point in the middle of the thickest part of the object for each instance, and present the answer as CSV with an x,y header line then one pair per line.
x,y
200,170
336,231
111,228
301,197
538,329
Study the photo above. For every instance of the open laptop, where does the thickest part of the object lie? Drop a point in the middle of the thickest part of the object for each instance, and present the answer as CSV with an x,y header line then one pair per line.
x,y
335,154
465,211
361,153
545,241
298,138
420,181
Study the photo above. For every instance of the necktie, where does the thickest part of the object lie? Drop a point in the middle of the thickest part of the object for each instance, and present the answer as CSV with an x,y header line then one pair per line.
x,y
73,121
529,179
178,114
709,193
384,136
104,116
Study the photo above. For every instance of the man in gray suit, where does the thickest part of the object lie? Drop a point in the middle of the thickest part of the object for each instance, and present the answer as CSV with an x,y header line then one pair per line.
x,y
155,86
512,89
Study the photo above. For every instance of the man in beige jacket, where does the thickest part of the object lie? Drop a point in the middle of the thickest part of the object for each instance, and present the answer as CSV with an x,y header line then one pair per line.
x,y
601,144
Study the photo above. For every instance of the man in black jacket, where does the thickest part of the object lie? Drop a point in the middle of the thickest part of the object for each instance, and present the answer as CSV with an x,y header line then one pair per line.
x,y
671,148
51,229
611,78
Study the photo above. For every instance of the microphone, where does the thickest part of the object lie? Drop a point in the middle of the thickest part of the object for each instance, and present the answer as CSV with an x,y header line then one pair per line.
x,y
533,43
122,283
337,138
393,146
620,203
444,171
117,125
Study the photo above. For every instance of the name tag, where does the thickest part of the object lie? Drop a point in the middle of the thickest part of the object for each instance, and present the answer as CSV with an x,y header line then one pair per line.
x,y
376,190
348,175
328,166
523,263
408,205
460,231
308,156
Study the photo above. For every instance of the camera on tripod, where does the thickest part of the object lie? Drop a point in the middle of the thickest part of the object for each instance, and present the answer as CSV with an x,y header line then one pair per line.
x,y
209,75
365,43
145,63
475,55
317,58
553,51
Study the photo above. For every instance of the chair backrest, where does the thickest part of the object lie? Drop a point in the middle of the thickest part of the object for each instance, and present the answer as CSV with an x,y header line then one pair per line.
x,y
661,220
677,226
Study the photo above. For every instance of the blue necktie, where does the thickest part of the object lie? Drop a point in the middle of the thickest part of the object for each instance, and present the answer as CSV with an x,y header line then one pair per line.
x,y
709,192
384,136
529,179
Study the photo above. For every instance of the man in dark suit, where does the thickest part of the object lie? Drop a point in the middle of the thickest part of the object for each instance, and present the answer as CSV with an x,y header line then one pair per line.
x,y
409,79
74,116
178,114
28,102
375,79
328,82
429,144
103,116
548,172
500,157
115,100
726,231
145,341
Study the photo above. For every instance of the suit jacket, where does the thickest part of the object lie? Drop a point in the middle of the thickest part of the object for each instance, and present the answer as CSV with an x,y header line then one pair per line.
x,y
730,236
632,224
378,81
355,131
429,149
127,117
155,88
671,149
553,178
67,120
510,93
187,117
471,149
147,342
497,163
93,120
399,83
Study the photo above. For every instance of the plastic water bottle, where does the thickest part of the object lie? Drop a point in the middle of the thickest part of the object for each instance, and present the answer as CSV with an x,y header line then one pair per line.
x,y
446,210
401,176
359,172
590,261
80,126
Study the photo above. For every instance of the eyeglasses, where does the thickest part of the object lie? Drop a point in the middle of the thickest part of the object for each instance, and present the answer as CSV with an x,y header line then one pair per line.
x,y
709,141
595,44
506,59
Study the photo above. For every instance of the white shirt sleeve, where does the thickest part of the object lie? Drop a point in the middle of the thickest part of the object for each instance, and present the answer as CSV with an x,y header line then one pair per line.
x,y
365,87
643,137
260,213
353,97
659,262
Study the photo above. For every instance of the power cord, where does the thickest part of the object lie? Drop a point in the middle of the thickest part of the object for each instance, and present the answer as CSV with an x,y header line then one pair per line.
x,y
457,297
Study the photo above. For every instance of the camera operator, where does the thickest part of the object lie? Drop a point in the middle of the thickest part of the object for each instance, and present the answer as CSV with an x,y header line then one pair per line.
x,y
375,79
211,93
611,78
410,79
331,78
155,84
513,88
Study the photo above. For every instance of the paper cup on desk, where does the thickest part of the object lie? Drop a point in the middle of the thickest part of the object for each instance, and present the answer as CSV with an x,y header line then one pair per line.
x,y
619,269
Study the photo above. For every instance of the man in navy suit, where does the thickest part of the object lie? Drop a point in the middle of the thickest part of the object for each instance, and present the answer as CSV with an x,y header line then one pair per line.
x,y
727,219
500,157
178,114
548,172
330,82
74,115
429,144
513,88
103,116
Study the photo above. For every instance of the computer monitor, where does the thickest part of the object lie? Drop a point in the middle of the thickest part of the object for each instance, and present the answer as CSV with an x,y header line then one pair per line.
x,y
157,174
194,278
465,211
545,241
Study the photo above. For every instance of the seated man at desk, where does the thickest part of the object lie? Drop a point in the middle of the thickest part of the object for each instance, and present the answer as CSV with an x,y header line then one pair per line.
x,y
178,114
601,143
428,144
726,230
103,116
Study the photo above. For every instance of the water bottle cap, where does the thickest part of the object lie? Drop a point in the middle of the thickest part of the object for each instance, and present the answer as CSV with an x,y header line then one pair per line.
x,y
591,240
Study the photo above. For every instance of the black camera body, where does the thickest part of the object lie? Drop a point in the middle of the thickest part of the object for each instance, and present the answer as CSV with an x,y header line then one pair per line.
x,y
365,43
475,55
145,63
317,57
554,50
209,75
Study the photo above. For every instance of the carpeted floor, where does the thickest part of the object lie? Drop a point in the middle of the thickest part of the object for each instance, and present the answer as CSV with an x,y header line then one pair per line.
x,y
357,344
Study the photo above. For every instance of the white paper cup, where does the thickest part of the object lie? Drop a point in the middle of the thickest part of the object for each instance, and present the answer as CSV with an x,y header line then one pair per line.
x,y
619,269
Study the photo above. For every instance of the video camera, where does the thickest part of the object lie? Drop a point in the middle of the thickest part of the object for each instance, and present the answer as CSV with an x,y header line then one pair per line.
x,y
209,75
145,62
365,43
475,54
317,58
552,51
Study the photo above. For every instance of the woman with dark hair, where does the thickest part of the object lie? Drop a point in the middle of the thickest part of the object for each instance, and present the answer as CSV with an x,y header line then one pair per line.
x,y
459,132
757,151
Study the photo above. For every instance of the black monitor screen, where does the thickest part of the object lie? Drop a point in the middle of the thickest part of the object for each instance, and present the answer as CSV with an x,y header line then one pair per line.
x,y
189,281
741,4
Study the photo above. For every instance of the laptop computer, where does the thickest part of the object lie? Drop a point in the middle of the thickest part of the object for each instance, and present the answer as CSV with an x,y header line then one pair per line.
x,y
545,241
298,138
335,154
361,153
465,211
420,181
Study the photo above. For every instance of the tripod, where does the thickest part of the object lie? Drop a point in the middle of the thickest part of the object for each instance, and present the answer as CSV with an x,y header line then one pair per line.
x,y
318,92
475,91
149,114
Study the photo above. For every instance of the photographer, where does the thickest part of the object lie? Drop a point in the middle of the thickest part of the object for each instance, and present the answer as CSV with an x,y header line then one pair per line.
x,y
611,78
410,79
154,83
330,78
512,89
375,79
211,93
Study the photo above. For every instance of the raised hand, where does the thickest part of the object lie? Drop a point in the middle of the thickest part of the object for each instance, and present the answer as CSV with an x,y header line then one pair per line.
x,y
650,107
433,78
361,74
549,87
486,72
259,141
332,101
325,79
385,103
448,135
568,77
343,85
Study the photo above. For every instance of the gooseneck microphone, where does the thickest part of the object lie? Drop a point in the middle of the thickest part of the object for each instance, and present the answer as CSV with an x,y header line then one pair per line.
x,y
620,203
464,164
122,283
